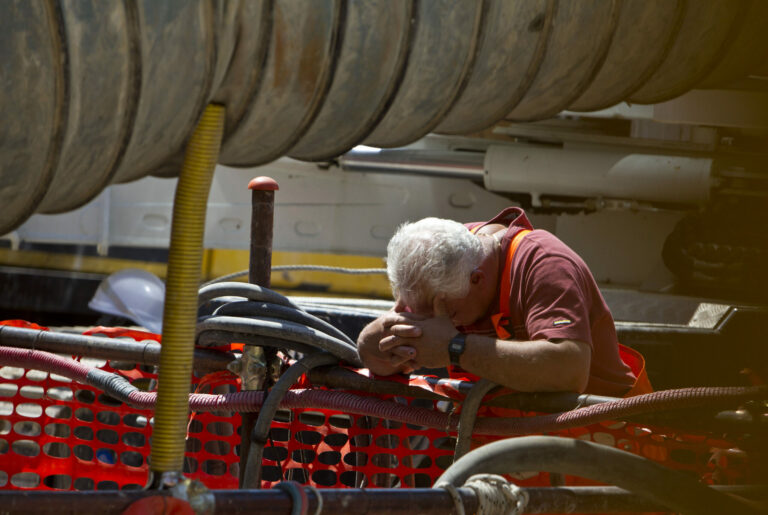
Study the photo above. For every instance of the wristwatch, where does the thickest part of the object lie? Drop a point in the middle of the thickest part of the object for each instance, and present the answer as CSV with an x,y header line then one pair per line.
x,y
456,347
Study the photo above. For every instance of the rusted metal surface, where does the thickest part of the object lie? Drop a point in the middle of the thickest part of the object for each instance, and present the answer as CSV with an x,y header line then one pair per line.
x,y
95,94
377,501
145,352
259,272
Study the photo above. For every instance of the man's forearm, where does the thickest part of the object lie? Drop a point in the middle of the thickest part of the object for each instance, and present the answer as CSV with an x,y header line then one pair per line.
x,y
528,366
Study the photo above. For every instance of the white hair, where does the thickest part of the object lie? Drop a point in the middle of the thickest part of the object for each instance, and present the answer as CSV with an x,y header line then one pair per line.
x,y
431,257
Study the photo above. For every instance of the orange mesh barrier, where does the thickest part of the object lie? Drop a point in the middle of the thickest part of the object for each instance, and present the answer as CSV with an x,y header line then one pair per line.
x,y
56,434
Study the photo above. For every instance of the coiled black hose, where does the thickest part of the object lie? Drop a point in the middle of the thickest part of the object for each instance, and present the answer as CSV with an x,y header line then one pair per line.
x,y
276,328
247,290
224,338
260,309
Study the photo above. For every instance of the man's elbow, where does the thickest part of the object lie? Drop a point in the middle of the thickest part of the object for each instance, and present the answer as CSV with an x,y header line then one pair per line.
x,y
576,376
580,382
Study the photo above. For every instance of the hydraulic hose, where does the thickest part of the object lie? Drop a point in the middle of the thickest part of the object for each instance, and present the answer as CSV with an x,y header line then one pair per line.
x,y
252,475
333,400
146,352
247,290
223,338
469,414
249,308
672,489
182,280
273,327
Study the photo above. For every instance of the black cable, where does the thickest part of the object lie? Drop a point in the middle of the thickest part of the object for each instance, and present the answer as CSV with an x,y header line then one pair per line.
x,y
276,328
247,290
260,309
469,414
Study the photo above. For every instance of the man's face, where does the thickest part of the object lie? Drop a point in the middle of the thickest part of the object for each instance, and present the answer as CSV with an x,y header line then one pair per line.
x,y
462,311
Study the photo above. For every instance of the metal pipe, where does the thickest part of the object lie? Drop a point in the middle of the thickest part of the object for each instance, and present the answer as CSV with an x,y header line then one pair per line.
x,y
262,222
259,271
380,501
456,165
593,461
146,352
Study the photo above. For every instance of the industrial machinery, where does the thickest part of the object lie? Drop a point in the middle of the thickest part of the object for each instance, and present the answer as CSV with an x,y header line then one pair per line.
x,y
634,130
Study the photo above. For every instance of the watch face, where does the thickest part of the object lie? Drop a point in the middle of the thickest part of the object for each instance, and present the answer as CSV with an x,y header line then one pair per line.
x,y
456,347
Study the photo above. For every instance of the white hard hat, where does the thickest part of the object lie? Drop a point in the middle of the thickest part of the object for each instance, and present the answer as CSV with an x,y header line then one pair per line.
x,y
134,294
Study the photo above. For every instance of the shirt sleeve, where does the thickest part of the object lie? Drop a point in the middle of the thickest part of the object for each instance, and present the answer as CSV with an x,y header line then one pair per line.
x,y
557,300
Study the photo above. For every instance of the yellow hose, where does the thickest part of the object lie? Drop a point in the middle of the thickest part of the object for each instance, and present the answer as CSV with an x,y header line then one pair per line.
x,y
182,280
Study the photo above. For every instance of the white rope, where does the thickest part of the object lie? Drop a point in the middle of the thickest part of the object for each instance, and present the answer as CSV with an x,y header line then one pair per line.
x,y
457,502
496,495
296,268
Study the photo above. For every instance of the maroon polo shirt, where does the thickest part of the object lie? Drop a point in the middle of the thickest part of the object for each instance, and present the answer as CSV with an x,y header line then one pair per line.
x,y
554,296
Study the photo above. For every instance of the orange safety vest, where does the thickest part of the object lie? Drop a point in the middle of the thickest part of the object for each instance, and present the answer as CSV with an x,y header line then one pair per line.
x,y
633,359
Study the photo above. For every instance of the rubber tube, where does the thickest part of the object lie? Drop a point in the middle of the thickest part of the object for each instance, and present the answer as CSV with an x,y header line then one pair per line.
x,y
256,309
219,338
115,386
247,290
146,352
182,280
252,475
273,327
468,415
672,489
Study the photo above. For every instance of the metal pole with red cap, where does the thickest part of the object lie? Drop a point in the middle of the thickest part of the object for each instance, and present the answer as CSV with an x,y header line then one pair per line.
x,y
256,360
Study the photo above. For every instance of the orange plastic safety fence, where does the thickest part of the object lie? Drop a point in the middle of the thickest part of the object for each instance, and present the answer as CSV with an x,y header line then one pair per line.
x,y
56,434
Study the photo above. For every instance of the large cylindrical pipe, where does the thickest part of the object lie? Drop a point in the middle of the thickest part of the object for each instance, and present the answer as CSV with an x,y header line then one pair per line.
x,y
98,94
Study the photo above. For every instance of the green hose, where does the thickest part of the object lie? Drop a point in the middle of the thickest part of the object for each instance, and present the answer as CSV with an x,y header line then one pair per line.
x,y
182,280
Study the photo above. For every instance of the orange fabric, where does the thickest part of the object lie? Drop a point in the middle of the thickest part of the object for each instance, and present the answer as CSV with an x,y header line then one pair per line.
x,y
636,362
118,332
501,318
23,324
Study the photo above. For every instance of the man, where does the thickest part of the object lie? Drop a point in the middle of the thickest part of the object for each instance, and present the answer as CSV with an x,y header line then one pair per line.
x,y
502,301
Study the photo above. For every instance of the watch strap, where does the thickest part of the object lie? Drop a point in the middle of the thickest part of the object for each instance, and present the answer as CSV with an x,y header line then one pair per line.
x,y
456,347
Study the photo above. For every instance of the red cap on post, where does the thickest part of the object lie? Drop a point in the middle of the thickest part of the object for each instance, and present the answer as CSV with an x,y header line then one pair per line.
x,y
263,184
